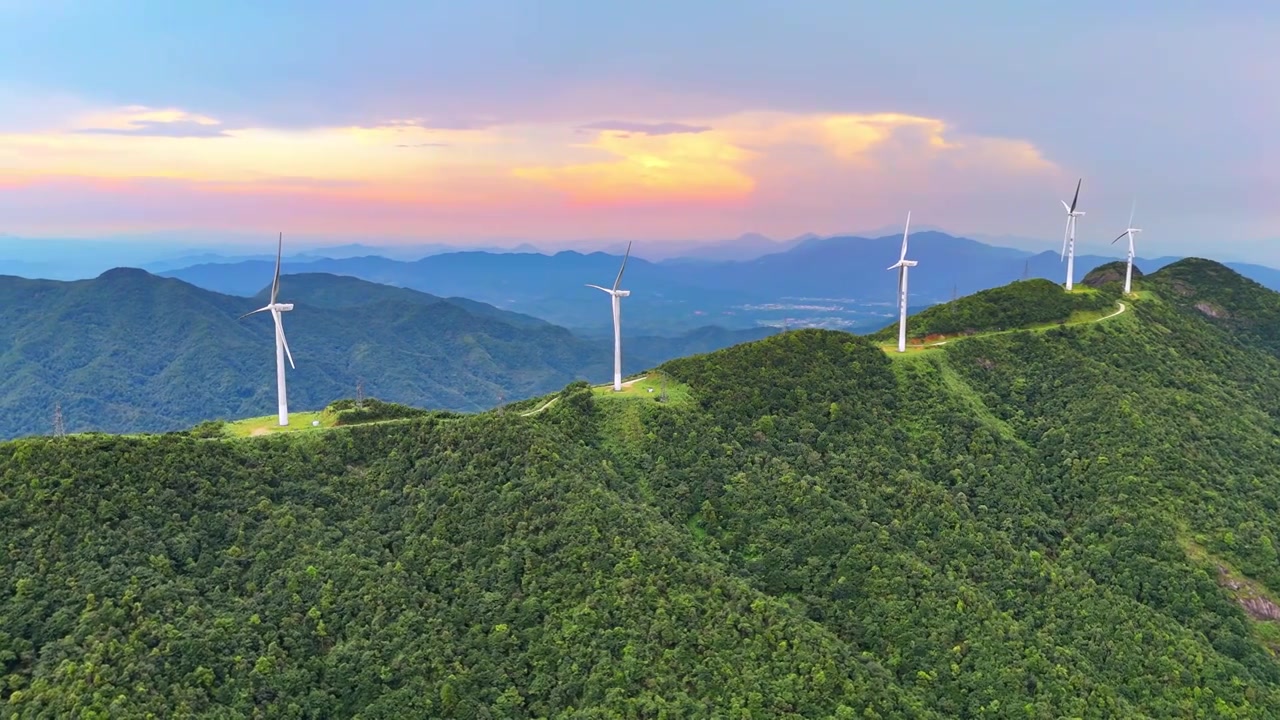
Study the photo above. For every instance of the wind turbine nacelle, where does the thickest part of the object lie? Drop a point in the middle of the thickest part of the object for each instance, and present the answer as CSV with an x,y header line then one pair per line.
x,y
283,307
622,293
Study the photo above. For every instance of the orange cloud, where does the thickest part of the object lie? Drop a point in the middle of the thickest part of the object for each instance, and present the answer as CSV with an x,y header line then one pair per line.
x,y
759,165
729,160
673,166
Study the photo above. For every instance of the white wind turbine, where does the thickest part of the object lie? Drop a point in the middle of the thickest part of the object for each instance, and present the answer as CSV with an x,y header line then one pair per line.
x,y
282,345
1129,231
902,265
1069,245
617,296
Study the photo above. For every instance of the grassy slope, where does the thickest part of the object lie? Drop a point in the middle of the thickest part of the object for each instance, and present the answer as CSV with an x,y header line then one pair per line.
x,y
270,424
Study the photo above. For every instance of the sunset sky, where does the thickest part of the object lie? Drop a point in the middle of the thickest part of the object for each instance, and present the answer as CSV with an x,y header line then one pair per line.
x,y
652,120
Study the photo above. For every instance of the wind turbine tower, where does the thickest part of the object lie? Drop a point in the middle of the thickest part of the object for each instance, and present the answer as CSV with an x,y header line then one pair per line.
x,y
1129,231
616,295
1069,235
282,345
901,266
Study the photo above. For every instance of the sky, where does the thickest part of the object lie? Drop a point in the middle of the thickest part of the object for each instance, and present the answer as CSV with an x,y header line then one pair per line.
x,y
553,120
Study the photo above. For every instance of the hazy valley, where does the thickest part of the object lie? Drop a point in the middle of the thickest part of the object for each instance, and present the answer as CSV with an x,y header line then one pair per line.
x,y
836,283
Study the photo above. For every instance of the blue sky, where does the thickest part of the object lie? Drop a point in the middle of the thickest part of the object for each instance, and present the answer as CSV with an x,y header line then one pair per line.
x,y
508,119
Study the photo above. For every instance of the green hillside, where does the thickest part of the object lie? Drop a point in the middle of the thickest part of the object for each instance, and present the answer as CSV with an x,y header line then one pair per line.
x,y
129,351
1074,522
1022,304
1204,289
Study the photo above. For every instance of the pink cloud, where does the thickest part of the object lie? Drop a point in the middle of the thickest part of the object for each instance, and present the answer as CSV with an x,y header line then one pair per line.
x,y
94,205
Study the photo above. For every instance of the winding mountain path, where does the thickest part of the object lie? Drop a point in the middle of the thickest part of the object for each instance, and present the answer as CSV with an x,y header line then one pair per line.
x,y
1120,309
548,403
544,406
1117,312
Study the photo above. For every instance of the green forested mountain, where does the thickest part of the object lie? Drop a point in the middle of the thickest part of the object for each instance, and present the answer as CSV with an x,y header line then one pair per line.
x,y
129,351
1075,521
1021,304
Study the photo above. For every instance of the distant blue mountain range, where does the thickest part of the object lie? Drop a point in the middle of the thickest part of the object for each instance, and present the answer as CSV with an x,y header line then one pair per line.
x,y
833,282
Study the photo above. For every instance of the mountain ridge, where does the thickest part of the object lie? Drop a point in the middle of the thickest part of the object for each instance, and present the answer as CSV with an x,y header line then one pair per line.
x,y
1077,521
131,351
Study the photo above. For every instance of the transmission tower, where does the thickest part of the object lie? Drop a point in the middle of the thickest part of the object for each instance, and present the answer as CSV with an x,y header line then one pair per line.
x,y
360,392
59,429
1026,270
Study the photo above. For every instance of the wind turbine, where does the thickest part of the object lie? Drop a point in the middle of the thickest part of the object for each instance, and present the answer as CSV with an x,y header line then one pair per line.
x,y
617,296
1129,231
902,265
1069,247
282,345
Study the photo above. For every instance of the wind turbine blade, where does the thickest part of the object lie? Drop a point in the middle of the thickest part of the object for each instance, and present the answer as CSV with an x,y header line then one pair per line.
x,y
1065,206
1132,208
905,232
275,282
283,341
601,289
1066,231
1076,199
901,271
1126,232
618,281
255,312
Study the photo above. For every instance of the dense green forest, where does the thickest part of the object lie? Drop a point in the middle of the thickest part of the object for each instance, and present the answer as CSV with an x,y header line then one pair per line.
x,y
129,351
1072,521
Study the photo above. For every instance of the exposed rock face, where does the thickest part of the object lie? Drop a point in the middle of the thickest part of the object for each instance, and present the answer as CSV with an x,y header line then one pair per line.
x,y
1257,607
1260,608
1211,310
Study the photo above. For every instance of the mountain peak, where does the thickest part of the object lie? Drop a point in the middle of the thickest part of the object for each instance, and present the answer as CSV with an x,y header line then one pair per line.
x,y
1112,272
125,274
